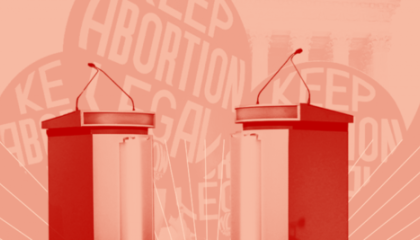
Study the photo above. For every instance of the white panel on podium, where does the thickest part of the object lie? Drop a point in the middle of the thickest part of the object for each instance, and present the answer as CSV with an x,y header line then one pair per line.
x,y
130,170
261,171
119,169
249,185
132,150
106,183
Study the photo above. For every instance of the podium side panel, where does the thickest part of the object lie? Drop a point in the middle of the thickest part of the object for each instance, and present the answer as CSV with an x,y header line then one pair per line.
x,y
318,180
70,187
106,185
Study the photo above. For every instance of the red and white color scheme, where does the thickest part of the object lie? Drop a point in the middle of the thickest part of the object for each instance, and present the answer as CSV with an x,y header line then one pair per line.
x,y
100,176
192,62
290,173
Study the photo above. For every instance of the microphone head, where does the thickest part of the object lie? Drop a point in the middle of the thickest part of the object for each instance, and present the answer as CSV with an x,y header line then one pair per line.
x,y
299,50
91,65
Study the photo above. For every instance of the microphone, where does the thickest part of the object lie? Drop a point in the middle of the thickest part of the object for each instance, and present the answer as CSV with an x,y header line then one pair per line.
x,y
298,51
291,59
97,70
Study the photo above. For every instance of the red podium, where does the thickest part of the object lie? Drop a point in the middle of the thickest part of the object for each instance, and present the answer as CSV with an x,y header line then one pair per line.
x,y
100,176
290,173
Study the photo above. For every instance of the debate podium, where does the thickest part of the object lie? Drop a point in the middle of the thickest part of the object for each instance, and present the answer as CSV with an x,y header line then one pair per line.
x,y
290,173
100,176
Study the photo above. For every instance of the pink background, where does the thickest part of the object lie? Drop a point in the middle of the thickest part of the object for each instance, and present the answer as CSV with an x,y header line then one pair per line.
x,y
32,30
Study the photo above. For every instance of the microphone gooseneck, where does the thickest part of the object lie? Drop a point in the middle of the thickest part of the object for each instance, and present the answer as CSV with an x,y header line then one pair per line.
x,y
298,51
309,92
97,70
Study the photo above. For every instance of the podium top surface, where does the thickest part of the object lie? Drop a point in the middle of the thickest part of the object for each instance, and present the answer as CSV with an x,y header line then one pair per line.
x,y
289,113
101,119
